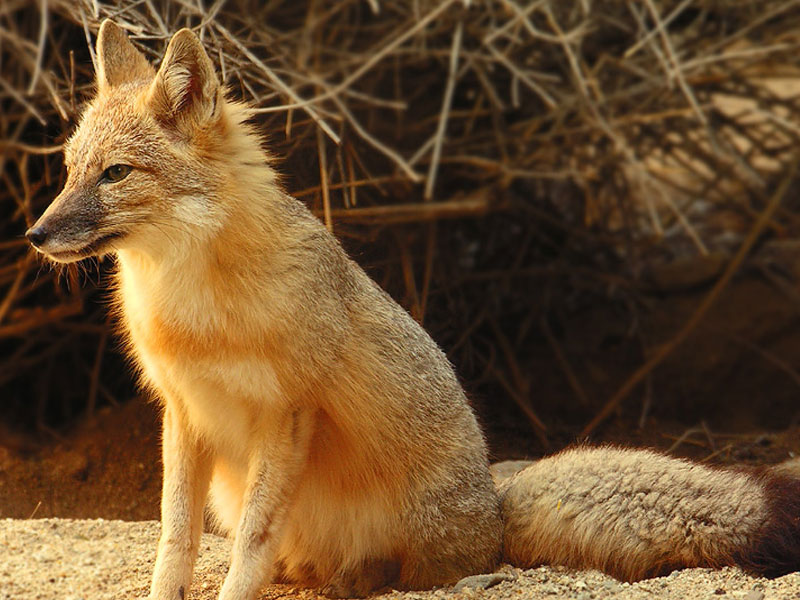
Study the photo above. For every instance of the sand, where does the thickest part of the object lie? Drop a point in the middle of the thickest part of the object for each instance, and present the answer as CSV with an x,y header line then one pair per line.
x,y
64,559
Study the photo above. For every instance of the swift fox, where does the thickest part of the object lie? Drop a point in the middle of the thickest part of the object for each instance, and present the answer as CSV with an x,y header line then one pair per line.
x,y
324,428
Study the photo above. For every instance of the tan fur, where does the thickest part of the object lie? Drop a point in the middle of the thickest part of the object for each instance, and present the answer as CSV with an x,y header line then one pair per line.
x,y
118,61
633,514
325,426
270,350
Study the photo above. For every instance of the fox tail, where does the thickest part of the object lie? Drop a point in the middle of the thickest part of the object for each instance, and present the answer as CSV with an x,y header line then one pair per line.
x,y
636,514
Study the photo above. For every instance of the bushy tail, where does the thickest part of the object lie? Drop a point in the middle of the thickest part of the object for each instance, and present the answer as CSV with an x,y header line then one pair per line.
x,y
637,514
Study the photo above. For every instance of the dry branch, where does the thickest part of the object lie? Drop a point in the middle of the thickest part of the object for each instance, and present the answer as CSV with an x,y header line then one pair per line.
x,y
632,129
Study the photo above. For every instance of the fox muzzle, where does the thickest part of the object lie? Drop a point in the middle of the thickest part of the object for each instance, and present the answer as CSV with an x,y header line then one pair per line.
x,y
68,229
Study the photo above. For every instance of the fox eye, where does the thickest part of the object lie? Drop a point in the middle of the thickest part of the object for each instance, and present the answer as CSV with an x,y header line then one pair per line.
x,y
115,173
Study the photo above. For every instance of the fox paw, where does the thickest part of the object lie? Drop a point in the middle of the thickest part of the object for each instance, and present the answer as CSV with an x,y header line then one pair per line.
x,y
340,590
348,587
359,583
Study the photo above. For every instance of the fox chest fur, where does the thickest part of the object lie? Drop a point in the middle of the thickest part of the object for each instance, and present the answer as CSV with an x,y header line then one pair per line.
x,y
199,354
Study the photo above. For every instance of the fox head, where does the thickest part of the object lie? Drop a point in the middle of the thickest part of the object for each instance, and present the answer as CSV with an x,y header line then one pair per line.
x,y
145,164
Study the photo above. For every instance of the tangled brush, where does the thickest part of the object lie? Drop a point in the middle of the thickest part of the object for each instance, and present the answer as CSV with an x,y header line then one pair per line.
x,y
568,145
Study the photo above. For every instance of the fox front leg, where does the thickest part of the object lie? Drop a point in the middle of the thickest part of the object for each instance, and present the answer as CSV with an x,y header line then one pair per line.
x,y
272,478
187,472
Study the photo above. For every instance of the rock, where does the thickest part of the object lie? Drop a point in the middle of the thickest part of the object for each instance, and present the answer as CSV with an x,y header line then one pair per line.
x,y
482,582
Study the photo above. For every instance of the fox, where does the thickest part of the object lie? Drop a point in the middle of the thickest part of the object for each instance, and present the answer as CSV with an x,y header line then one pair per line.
x,y
305,411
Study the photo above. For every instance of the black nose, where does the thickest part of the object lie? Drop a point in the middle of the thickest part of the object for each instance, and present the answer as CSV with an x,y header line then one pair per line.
x,y
36,235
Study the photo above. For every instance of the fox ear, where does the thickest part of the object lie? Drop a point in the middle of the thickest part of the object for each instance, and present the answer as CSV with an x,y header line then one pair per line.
x,y
186,91
118,60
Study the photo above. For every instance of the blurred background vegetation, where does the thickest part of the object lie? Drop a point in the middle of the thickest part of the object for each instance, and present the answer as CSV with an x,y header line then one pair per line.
x,y
591,205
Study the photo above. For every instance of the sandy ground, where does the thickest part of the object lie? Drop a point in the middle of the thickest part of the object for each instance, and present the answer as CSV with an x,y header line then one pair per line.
x,y
49,559
111,468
